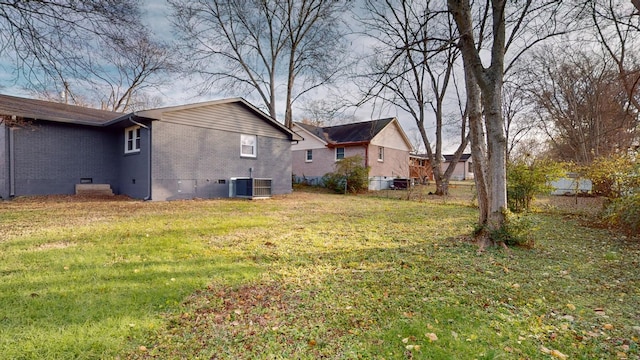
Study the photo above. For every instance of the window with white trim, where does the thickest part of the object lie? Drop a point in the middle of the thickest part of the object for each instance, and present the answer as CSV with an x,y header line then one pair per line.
x,y
248,145
339,153
132,139
309,157
380,153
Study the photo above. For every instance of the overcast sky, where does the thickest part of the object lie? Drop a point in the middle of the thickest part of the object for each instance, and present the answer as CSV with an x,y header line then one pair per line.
x,y
181,90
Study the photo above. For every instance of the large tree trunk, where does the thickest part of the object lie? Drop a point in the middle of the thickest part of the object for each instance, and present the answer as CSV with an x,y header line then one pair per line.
x,y
478,145
489,80
497,155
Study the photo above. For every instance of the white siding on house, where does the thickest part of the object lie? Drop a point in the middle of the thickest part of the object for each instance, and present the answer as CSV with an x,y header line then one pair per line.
x,y
461,170
309,142
391,137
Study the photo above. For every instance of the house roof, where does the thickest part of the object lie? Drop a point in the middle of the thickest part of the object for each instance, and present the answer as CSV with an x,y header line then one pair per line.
x,y
58,112
52,111
360,132
423,156
463,157
156,114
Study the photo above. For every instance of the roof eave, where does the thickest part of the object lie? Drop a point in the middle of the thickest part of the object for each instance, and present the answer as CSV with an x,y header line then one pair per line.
x,y
350,143
312,134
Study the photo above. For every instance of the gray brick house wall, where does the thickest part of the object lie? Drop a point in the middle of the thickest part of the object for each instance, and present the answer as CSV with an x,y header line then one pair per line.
x,y
190,162
134,169
50,158
4,162
185,151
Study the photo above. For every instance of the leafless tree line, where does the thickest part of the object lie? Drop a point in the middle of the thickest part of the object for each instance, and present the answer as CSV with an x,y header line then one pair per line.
x,y
79,51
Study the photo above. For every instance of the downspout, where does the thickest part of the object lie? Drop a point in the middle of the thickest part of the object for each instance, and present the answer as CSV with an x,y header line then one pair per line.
x,y
12,164
366,155
148,197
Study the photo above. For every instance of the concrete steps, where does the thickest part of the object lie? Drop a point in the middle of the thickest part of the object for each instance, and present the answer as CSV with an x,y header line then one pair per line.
x,y
94,190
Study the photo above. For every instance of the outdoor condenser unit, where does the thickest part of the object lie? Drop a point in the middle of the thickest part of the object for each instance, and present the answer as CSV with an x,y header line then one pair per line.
x,y
250,188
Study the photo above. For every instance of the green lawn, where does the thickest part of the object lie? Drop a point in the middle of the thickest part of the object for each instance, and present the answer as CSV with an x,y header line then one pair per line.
x,y
307,276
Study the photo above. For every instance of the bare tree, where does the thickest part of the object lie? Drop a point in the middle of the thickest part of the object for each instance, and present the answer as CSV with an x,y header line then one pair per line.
x,y
326,111
518,124
581,104
517,28
78,48
117,72
262,45
412,66
140,63
617,27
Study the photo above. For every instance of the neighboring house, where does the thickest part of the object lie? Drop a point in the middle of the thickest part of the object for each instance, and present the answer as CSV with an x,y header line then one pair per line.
x,y
463,169
420,168
571,184
179,152
382,144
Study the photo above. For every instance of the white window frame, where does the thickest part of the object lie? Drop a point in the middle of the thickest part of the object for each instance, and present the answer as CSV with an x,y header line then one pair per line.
x,y
249,140
381,153
344,151
308,156
132,136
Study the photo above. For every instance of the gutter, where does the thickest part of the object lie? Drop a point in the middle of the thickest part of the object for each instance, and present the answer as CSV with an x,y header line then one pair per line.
x,y
12,164
148,197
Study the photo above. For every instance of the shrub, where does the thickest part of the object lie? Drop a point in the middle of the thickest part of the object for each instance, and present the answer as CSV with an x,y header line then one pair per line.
x,y
524,181
334,181
615,175
624,213
350,175
515,231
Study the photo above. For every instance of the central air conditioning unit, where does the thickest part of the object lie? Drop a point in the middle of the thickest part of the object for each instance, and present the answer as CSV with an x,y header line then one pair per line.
x,y
251,188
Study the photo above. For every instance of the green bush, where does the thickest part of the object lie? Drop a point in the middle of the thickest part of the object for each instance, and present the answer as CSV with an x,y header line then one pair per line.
x,y
618,178
615,175
334,181
524,181
516,230
350,175
624,213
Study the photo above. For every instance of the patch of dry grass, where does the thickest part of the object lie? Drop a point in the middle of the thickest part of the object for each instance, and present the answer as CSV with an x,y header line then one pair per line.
x,y
307,276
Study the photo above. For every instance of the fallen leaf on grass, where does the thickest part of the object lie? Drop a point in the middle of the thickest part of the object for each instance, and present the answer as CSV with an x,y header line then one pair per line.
x,y
608,326
558,354
431,336
555,353
571,307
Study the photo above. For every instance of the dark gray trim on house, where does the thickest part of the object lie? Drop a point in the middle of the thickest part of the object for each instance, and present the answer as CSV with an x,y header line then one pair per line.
x,y
4,162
